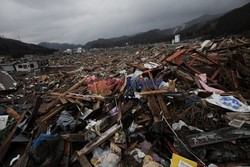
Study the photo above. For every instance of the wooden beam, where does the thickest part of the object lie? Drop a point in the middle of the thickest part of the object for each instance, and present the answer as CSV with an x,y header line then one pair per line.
x,y
82,159
66,155
54,102
63,100
153,92
49,115
176,57
152,104
163,107
104,136
79,96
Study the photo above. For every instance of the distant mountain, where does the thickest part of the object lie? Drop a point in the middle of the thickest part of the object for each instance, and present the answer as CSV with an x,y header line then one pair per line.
x,y
151,36
207,26
236,21
233,22
59,46
105,42
17,48
202,20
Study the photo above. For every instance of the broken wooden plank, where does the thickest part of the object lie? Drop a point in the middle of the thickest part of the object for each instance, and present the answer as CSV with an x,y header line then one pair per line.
x,y
163,107
107,134
66,156
79,96
177,56
153,92
185,75
97,105
126,106
152,104
54,102
71,100
63,100
82,159
49,115
13,113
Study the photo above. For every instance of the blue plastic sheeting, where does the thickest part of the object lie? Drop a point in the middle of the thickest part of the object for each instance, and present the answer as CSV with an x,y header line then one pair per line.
x,y
36,142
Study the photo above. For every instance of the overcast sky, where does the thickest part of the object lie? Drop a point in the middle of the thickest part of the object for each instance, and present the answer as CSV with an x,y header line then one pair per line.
x,y
79,21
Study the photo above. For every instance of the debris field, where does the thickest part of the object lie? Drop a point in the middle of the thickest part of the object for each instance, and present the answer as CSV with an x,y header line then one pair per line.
x,y
153,105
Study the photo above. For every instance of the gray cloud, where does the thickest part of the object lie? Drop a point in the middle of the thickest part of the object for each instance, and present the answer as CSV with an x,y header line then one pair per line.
x,y
79,21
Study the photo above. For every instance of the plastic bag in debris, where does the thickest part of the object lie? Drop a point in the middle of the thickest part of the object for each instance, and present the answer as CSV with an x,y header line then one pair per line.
x,y
14,160
105,158
3,121
123,72
205,44
228,102
133,127
137,154
213,46
180,124
150,65
136,74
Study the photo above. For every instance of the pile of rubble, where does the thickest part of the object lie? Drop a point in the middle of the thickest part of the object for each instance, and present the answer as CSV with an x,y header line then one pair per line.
x,y
150,106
